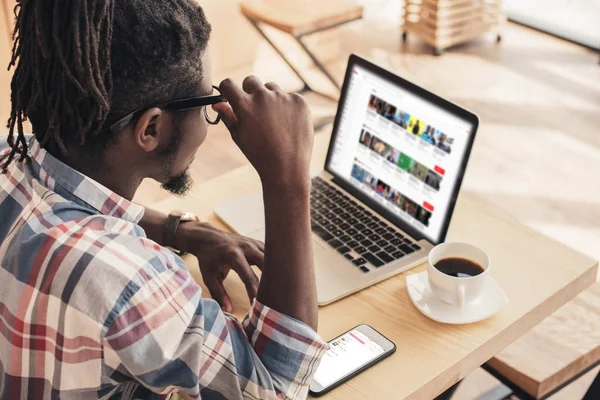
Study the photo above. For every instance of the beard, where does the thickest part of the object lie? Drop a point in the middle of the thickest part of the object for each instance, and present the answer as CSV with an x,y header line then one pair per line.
x,y
179,185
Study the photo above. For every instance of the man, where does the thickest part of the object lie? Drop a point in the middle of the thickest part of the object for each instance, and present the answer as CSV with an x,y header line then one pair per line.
x,y
91,304
416,128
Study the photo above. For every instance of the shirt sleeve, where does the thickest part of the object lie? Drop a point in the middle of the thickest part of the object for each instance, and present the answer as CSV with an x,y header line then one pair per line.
x,y
3,142
168,339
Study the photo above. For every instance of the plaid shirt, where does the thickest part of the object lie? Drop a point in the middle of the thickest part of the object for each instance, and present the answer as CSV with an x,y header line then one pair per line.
x,y
91,308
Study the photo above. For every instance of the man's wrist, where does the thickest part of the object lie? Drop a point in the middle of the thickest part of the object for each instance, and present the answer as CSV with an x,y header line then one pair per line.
x,y
190,235
175,230
294,188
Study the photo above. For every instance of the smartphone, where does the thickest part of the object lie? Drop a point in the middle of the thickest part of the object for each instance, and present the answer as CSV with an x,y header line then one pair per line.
x,y
350,354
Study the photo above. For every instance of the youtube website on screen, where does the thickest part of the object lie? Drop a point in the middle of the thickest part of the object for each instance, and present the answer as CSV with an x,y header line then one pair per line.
x,y
399,149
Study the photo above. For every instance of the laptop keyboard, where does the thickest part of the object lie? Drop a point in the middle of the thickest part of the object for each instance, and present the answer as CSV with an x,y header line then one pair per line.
x,y
361,236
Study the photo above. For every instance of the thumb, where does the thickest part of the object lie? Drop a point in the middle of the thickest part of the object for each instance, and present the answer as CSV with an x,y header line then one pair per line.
x,y
227,115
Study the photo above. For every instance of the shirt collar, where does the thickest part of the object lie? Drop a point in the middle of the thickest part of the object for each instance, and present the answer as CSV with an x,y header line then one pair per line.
x,y
76,187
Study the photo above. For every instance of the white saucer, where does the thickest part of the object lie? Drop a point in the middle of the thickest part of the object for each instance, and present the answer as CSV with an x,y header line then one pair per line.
x,y
490,302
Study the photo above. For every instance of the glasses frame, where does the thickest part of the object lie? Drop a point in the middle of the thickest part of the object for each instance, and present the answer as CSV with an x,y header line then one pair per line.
x,y
186,104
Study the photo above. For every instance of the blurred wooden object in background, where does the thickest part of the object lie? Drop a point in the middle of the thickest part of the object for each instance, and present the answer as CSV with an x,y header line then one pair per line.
x,y
563,347
299,19
445,23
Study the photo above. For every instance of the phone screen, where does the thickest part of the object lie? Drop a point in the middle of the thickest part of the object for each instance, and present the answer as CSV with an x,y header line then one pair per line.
x,y
346,354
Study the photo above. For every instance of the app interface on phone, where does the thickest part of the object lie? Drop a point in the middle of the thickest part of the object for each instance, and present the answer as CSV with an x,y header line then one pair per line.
x,y
346,354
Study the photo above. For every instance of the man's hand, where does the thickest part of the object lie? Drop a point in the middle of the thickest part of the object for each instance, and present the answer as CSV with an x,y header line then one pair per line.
x,y
219,252
274,130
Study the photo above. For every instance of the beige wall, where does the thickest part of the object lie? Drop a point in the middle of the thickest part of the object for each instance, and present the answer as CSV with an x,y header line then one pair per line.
x,y
5,52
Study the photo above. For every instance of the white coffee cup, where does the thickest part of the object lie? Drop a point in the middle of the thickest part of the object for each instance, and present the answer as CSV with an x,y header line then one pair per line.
x,y
457,290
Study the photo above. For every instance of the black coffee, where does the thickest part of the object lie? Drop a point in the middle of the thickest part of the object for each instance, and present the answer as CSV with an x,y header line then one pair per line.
x,y
459,267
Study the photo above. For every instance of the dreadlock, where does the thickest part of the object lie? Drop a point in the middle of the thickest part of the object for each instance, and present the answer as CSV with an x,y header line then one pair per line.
x,y
83,64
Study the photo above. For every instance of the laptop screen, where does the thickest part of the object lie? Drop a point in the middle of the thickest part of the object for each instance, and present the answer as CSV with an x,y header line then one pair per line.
x,y
404,152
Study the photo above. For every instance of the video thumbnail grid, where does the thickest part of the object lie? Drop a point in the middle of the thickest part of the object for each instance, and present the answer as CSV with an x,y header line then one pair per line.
x,y
401,160
393,196
412,124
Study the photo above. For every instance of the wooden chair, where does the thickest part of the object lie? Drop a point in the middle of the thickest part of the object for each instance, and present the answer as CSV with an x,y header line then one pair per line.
x,y
301,18
555,353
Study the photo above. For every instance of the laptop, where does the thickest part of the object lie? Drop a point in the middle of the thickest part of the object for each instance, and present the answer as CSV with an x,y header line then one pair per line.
x,y
385,197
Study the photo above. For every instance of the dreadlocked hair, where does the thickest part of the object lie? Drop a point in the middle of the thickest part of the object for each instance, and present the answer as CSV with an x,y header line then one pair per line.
x,y
80,65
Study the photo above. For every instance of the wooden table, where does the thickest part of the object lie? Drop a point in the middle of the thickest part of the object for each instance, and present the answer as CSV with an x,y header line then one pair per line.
x,y
538,275
558,351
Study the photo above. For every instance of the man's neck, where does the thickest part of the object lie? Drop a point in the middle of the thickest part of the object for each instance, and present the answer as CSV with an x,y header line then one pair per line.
x,y
123,183
118,176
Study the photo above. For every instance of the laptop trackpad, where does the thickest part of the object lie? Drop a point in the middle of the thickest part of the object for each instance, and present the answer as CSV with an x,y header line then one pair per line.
x,y
245,215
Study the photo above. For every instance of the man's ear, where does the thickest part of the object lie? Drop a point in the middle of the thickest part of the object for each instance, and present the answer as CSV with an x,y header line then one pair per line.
x,y
149,129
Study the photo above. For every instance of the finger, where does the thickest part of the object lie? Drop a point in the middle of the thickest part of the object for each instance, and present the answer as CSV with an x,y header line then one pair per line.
x,y
227,116
273,86
242,267
259,245
232,92
218,292
252,85
256,257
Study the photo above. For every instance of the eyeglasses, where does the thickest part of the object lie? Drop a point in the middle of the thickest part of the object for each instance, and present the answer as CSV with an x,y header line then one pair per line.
x,y
176,105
